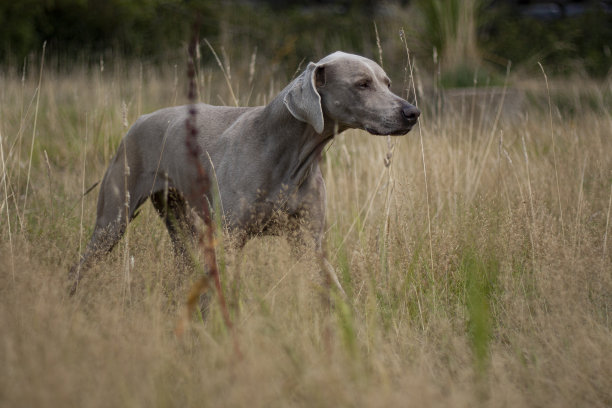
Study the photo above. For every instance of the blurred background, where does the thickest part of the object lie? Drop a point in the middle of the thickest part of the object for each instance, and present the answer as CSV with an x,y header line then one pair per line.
x,y
463,40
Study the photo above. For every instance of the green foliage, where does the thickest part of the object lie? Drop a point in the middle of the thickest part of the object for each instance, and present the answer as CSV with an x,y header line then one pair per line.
x,y
480,272
572,102
440,19
449,28
465,32
289,34
153,28
17,26
346,326
563,46
141,28
464,76
445,23
284,33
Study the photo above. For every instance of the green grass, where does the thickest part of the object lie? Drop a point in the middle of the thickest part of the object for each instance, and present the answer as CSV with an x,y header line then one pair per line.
x,y
504,301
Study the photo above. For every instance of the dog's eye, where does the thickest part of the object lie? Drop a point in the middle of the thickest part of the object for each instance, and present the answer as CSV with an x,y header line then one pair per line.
x,y
363,84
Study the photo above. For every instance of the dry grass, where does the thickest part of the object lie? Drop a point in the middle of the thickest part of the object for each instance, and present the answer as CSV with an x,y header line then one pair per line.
x,y
510,306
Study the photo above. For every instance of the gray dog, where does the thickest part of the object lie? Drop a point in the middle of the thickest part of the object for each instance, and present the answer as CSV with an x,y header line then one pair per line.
x,y
264,160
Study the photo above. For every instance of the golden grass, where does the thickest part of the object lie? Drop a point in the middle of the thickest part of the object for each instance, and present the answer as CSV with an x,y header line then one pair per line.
x,y
509,306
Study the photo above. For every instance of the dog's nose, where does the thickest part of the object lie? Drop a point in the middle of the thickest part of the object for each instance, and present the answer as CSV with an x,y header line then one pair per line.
x,y
411,113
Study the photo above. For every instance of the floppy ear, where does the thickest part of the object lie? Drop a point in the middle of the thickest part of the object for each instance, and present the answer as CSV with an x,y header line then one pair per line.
x,y
303,100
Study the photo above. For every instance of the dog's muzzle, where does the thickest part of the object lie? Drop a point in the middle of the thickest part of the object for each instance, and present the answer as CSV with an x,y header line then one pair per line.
x,y
408,117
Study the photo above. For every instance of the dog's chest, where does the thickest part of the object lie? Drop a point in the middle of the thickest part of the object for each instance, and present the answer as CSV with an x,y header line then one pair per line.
x,y
270,212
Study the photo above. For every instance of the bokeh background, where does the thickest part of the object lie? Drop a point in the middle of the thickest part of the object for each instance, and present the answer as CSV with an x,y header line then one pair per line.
x,y
566,36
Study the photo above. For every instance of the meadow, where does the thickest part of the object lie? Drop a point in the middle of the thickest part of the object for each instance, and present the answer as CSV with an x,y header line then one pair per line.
x,y
475,252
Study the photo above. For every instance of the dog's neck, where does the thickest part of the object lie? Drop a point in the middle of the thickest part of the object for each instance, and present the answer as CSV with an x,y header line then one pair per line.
x,y
297,147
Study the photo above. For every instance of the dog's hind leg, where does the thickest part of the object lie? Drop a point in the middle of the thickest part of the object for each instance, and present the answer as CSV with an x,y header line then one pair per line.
x,y
180,222
118,200
172,208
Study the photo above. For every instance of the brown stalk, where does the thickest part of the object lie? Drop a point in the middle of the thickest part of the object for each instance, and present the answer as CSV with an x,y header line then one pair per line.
x,y
206,238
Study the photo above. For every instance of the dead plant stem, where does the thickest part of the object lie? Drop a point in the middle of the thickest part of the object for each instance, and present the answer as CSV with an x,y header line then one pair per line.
x,y
419,124
226,74
554,149
6,205
42,64
206,238
605,240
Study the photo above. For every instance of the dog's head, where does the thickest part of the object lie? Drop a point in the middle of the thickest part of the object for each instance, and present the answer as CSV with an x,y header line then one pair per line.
x,y
352,91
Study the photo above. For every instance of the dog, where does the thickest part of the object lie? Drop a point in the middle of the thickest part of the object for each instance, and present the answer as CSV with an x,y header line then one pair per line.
x,y
264,160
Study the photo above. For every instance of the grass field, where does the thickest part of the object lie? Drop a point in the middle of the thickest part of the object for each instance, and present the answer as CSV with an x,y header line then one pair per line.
x,y
478,265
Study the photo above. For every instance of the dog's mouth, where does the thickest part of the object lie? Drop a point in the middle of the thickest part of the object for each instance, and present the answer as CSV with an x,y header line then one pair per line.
x,y
396,132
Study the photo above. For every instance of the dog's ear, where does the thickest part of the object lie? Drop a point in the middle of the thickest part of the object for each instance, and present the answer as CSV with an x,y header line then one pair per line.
x,y
303,100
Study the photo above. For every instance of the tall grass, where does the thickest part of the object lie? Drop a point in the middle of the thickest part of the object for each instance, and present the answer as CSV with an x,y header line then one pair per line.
x,y
514,310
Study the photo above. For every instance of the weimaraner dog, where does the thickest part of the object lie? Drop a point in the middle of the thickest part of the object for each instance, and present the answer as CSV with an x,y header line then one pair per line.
x,y
264,160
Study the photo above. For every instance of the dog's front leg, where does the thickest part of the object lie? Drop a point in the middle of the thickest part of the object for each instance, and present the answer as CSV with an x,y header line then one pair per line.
x,y
312,217
329,273
306,234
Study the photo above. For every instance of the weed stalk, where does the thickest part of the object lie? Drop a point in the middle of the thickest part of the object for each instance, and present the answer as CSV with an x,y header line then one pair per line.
x,y
552,136
8,215
226,72
126,248
605,240
532,210
83,193
416,102
206,238
42,64
50,183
